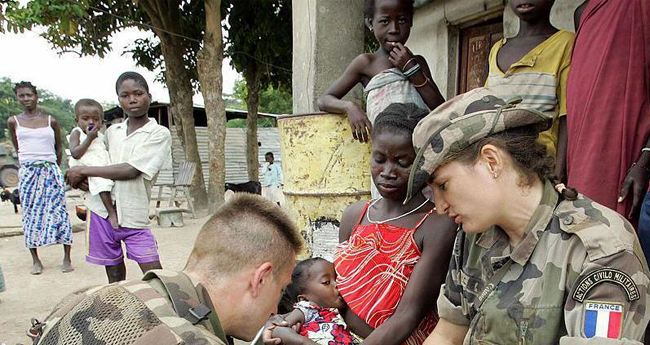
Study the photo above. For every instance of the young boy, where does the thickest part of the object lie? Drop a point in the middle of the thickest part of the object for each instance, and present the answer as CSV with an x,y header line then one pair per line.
x,y
138,148
272,179
535,65
87,148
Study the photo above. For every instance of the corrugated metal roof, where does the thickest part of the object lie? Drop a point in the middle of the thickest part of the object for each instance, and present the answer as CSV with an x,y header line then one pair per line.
x,y
236,171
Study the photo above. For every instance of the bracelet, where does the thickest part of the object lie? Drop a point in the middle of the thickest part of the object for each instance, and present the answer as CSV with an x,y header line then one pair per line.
x,y
407,63
640,166
426,80
645,149
412,70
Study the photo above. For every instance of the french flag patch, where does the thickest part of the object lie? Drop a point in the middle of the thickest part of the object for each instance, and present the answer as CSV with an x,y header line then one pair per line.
x,y
602,319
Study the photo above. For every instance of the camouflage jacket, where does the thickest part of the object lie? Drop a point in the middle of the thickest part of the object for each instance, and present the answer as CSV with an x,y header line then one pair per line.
x,y
577,276
132,312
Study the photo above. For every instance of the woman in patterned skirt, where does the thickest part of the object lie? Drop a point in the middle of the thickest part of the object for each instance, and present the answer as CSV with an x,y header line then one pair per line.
x,y
37,138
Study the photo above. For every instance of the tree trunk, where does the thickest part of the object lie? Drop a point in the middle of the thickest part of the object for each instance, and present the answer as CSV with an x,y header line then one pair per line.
x,y
167,15
252,104
209,62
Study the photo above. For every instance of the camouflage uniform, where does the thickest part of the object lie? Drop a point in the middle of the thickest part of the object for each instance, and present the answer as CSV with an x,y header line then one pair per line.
x,y
577,276
133,312
543,297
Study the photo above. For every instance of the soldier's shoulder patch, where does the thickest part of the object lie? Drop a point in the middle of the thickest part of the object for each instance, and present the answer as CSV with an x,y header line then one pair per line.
x,y
605,275
602,319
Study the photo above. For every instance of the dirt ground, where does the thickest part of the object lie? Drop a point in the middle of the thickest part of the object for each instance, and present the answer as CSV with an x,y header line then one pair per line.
x,y
28,296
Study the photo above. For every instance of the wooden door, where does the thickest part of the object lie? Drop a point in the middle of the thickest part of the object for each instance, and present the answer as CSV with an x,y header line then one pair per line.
x,y
475,45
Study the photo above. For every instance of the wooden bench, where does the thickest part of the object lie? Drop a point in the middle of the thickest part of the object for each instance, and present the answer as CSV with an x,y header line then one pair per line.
x,y
170,216
179,190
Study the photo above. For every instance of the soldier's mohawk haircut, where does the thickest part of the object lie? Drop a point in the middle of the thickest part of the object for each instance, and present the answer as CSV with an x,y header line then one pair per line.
x,y
246,231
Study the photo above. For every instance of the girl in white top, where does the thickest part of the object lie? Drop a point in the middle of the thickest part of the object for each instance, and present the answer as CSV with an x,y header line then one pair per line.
x,y
88,148
37,138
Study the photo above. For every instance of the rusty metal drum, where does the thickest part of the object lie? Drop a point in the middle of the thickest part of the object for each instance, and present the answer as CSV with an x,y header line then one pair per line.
x,y
325,170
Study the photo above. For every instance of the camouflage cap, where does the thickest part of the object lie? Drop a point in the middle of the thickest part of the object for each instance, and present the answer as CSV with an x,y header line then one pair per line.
x,y
460,122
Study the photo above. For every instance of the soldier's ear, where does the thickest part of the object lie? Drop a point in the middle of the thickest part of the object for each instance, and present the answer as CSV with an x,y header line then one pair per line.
x,y
262,277
493,159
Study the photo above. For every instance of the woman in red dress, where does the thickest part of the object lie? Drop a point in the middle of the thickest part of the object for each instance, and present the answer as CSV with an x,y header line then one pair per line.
x,y
393,257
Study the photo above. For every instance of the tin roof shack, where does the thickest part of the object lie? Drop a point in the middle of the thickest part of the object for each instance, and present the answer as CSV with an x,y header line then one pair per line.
x,y
236,170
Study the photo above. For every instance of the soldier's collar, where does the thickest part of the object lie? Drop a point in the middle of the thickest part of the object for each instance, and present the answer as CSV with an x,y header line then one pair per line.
x,y
213,317
538,223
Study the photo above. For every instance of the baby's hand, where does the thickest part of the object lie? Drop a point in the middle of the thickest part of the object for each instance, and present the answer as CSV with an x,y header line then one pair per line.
x,y
92,131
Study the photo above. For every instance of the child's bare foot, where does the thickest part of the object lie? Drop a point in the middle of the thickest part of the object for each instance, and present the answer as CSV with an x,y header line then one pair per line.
x,y
67,266
112,218
37,268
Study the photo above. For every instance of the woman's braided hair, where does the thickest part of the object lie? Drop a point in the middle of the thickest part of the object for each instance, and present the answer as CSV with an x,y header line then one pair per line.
x,y
399,118
25,84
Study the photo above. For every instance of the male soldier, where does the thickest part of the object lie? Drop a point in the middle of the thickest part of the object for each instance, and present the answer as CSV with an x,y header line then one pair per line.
x,y
242,259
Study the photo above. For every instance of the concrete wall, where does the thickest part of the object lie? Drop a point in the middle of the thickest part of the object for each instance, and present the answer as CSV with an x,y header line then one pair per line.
x,y
327,35
437,24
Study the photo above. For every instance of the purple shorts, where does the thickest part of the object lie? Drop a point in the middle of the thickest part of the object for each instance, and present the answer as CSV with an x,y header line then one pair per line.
x,y
104,244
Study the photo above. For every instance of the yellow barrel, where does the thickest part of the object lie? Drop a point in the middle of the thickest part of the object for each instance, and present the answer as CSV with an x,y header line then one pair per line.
x,y
325,169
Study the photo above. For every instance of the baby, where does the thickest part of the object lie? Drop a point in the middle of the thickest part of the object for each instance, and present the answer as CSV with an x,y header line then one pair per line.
x,y
87,148
313,286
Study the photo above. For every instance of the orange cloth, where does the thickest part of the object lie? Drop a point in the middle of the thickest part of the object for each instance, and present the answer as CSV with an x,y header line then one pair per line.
x,y
373,267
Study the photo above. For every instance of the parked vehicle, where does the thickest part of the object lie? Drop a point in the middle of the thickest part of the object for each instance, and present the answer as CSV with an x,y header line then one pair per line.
x,y
8,168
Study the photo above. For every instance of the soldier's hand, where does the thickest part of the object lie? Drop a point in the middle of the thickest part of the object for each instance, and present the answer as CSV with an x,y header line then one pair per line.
x,y
636,183
273,322
288,336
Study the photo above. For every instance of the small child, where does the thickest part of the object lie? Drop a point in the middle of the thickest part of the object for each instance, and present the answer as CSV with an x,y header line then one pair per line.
x,y
313,286
272,179
88,148
392,74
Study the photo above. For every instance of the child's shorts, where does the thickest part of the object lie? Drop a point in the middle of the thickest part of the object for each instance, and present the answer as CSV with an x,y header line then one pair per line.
x,y
104,244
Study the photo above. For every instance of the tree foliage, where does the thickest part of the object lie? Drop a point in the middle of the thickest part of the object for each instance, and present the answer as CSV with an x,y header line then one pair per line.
x,y
85,27
259,44
260,40
272,100
60,108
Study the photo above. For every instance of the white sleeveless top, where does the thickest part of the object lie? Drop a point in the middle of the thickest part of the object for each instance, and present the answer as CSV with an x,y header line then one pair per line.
x,y
35,144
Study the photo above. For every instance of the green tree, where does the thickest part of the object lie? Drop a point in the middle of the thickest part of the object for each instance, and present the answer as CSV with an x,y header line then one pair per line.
x,y
272,100
259,44
85,27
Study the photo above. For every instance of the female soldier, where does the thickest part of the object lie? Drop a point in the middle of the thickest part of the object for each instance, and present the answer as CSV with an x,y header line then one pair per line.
x,y
535,263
